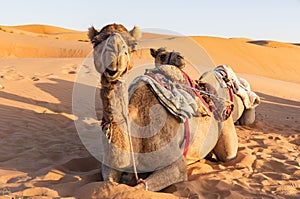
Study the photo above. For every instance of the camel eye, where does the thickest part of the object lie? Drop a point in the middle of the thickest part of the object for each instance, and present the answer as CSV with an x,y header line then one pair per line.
x,y
162,57
179,57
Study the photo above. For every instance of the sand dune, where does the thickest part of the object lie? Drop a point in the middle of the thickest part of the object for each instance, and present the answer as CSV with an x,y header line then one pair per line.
x,y
43,157
271,59
43,29
21,46
51,42
263,58
47,31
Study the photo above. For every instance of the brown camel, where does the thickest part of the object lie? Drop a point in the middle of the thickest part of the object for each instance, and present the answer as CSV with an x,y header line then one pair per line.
x,y
129,125
240,115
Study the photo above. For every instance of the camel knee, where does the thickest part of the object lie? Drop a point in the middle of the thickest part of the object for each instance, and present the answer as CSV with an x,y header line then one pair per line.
x,y
225,153
227,145
225,157
248,117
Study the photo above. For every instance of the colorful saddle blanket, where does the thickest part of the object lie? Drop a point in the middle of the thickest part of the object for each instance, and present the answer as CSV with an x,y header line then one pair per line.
x,y
172,90
177,93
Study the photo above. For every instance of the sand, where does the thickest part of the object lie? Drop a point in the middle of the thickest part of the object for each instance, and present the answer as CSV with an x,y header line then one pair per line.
x,y
43,157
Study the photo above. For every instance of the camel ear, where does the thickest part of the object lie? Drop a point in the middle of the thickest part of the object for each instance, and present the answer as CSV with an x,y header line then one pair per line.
x,y
136,33
92,33
153,52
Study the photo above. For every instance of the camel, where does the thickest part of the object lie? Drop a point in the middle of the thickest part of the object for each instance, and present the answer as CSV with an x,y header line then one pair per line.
x,y
160,153
240,115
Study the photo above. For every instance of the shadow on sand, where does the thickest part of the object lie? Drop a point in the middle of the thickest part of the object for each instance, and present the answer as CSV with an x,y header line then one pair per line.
x,y
44,140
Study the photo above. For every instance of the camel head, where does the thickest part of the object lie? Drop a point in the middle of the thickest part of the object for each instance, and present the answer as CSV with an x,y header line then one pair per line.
x,y
163,56
113,49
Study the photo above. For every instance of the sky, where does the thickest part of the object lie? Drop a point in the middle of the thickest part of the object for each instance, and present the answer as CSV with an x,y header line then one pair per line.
x,y
255,19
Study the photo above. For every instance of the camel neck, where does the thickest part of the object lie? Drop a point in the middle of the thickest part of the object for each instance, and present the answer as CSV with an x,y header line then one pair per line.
x,y
114,97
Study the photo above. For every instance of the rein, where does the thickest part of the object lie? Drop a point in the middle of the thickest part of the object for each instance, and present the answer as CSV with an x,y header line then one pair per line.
x,y
193,88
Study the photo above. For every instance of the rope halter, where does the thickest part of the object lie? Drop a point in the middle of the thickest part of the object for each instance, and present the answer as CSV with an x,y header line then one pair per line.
x,y
114,51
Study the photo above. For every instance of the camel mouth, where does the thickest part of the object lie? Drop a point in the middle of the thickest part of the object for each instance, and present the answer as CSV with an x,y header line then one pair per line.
x,y
111,73
113,76
112,57
181,63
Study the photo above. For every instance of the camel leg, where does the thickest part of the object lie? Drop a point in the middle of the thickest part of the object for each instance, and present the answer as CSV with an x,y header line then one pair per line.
x,y
248,117
227,145
110,174
176,172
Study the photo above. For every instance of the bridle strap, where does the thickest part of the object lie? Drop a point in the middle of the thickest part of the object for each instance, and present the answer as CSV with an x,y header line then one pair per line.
x,y
124,42
127,54
105,45
169,58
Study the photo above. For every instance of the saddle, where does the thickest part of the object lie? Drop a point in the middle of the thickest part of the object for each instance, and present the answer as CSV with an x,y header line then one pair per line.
x,y
217,94
174,80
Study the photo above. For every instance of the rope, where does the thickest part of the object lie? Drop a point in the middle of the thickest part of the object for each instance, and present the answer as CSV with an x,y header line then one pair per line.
x,y
138,180
204,92
123,41
125,115
192,84
128,128
105,45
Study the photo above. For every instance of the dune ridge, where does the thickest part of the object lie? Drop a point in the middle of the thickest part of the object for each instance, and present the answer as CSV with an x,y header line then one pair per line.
x,y
27,46
43,29
46,31
264,58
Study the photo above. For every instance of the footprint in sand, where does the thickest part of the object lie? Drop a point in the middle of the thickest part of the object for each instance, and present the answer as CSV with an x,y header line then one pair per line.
x,y
35,78
35,192
69,69
288,190
11,73
38,76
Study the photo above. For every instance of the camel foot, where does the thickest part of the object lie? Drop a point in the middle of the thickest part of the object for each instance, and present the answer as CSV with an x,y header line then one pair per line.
x,y
110,174
160,179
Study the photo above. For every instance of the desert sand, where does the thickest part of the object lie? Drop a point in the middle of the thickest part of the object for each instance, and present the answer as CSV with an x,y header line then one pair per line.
x,y
43,157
